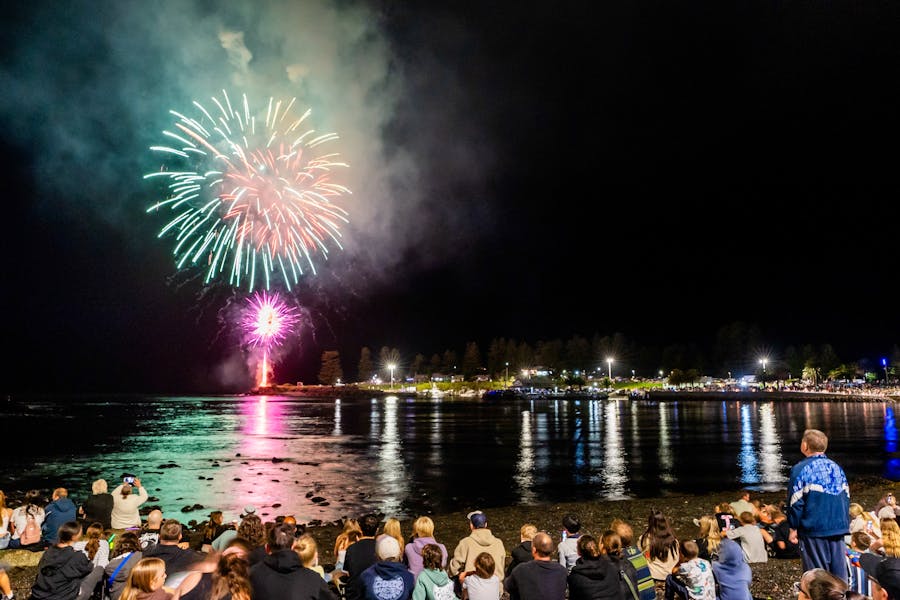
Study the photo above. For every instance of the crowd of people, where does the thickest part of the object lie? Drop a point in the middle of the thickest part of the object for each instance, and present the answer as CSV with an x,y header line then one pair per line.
x,y
103,550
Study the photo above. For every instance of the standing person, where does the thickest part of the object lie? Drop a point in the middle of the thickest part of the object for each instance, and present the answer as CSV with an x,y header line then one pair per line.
x,y
541,578
567,550
522,552
98,506
59,510
64,573
126,503
819,507
423,535
480,539
281,574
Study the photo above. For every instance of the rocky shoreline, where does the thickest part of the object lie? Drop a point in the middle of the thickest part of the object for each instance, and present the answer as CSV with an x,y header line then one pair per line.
x,y
771,580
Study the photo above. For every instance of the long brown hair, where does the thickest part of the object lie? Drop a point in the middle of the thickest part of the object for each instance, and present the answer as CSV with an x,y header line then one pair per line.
x,y
232,576
141,578
658,540
93,533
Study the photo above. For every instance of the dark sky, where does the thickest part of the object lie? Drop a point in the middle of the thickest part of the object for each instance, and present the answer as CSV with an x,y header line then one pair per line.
x,y
518,169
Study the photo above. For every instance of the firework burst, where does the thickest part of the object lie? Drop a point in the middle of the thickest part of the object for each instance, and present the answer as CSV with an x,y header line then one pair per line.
x,y
252,201
267,321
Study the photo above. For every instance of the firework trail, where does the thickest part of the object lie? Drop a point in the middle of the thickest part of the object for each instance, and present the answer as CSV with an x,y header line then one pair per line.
x,y
267,321
253,202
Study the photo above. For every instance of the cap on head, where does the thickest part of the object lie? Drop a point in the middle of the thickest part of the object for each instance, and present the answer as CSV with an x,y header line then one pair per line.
x,y
884,570
477,518
249,510
387,548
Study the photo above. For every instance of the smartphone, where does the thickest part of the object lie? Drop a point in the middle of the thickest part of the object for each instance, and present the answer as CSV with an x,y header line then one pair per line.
x,y
565,534
128,479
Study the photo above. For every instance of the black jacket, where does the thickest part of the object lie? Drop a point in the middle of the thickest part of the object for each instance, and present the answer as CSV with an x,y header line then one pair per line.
x,y
537,580
600,579
60,572
520,554
98,507
281,576
177,559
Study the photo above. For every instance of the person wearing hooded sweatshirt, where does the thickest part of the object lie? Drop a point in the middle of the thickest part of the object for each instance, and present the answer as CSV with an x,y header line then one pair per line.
x,y
387,579
423,531
281,574
593,576
60,510
479,540
732,572
65,573
432,582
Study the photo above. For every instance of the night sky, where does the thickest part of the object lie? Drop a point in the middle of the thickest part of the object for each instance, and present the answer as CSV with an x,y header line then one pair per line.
x,y
521,170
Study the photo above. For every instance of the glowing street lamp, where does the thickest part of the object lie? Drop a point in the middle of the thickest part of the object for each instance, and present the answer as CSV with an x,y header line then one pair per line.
x,y
391,367
609,361
763,362
506,377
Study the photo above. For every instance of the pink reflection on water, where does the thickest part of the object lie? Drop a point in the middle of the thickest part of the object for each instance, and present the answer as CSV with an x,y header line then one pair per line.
x,y
262,438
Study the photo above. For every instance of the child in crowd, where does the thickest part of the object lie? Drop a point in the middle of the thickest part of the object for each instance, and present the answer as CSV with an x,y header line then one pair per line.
x,y
568,547
692,578
859,543
482,584
750,538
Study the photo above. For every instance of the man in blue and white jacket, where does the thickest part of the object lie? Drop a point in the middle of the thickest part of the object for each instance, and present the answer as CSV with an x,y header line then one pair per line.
x,y
819,507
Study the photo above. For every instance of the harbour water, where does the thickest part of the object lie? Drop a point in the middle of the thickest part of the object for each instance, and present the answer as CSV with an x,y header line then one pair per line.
x,y
325,458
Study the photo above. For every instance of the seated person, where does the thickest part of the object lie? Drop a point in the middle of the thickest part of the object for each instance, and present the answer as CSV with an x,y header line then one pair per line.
x,y
751,539
777,536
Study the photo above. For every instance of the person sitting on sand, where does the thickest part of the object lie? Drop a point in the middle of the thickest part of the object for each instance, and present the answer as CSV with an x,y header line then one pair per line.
x,y
64,573
423,534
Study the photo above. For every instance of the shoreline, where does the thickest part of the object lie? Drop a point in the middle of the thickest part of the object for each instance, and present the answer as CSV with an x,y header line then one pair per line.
x,y
771,580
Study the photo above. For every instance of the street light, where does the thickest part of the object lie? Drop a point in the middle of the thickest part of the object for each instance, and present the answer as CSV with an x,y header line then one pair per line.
x,y
763,362
506,377
609,364
391,367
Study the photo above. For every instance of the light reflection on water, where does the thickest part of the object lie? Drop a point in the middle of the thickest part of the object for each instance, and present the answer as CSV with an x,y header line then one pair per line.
x,y
329,458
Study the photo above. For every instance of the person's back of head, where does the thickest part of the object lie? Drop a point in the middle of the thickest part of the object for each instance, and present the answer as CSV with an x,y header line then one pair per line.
x,y
815,440
626,533
170,532
689,549
542,545
432,557
423,527
527,532
68,532
251,528
60,492
747,518
571,523
369,525
99,487
305,546
154,519
142,577
485,565
388,548
819,584
611,544
280,537
125,542
588,548
860,540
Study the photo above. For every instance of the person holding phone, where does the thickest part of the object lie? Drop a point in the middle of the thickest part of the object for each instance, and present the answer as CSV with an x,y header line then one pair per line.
x,y
127,499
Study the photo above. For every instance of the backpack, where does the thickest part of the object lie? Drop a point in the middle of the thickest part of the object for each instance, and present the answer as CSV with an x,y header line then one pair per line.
x,y
32,532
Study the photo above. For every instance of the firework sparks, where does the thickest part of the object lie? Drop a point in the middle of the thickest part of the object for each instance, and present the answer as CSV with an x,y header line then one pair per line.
x,y
253,202
267,322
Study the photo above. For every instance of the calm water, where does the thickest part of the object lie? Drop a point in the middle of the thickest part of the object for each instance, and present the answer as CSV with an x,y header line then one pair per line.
x,y
339,457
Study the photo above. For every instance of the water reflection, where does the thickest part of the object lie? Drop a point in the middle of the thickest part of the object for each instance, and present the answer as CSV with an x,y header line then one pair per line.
x,y
615,469
664,454
525,465
747,458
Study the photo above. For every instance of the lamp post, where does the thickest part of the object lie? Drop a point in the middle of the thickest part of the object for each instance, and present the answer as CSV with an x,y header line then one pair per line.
x,y
506,376
609,364
391,367
763,362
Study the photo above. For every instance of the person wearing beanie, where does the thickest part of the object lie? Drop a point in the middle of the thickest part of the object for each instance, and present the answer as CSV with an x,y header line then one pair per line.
x,y
388,578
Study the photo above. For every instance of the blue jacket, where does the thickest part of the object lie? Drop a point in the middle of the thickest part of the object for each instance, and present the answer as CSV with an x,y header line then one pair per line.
x,y
56,513
818,498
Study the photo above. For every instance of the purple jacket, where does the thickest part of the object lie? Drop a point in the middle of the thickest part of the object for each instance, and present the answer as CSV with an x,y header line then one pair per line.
x,y
412,554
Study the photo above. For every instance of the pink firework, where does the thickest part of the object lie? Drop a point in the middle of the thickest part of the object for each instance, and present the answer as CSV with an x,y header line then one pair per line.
x,y
267,322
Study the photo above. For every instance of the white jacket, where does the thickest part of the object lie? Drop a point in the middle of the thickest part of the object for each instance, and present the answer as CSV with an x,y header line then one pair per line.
x,y
125,510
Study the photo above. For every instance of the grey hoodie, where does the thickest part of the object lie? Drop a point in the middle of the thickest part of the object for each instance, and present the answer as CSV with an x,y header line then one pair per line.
x,y
433,584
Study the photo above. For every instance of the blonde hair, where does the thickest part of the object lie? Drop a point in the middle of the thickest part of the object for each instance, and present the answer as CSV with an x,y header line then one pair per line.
x,y
392,528
890,537
306,548
142,576
99,487
423,527
527,532
343,538
710,531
